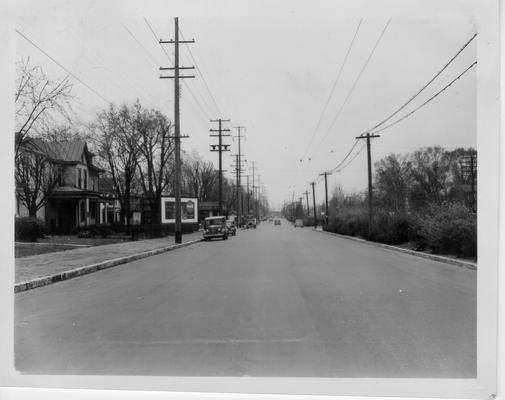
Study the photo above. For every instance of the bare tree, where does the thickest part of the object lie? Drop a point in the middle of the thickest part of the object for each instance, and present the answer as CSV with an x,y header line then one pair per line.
x,y
37,100
36,175
117,143
155,148
200,178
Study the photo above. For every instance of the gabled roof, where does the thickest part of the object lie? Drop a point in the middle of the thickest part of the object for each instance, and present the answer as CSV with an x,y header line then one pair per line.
x,y
70,152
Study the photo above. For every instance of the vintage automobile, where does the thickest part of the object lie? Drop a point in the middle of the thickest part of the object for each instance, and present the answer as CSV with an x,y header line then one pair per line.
x,y
215,227
299,223
232,229
251,223
277,221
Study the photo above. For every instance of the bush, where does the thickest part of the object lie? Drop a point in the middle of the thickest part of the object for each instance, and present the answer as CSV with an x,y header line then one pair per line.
x,y
28,229
390,228
349,221
449,228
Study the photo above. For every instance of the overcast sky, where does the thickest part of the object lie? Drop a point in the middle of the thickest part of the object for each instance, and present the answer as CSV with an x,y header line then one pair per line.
x,y
272,73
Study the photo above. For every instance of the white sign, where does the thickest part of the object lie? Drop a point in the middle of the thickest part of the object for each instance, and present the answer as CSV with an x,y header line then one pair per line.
x,y
189,210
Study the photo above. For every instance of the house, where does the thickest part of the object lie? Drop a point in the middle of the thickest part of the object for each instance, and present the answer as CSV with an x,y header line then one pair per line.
x,y
75,199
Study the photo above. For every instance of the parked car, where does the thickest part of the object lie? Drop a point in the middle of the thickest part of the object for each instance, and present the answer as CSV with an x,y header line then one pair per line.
x,y
232,229
298,223
215,227
251,223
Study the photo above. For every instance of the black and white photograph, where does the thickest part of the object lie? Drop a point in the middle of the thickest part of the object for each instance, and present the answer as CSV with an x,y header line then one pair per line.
x,y
254,190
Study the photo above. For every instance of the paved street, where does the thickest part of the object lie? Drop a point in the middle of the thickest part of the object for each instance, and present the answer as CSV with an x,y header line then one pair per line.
x,y
275,301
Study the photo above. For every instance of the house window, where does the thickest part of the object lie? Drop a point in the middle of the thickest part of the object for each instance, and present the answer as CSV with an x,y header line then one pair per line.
x,y
85,179
79,178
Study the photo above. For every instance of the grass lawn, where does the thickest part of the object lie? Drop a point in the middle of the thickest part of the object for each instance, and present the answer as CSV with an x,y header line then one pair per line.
x,y
31,249
50,244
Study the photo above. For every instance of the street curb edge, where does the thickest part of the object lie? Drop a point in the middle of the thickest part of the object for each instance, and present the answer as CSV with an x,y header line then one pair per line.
x,y
433,257
88,269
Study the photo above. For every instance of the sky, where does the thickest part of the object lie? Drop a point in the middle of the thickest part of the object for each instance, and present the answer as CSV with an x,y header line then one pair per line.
x,y
271,72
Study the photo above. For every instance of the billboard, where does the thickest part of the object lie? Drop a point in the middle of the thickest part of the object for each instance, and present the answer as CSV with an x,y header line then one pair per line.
x,y
189,210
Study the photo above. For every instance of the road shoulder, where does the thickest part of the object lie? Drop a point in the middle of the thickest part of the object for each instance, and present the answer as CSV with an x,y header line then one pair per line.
x,y
434,257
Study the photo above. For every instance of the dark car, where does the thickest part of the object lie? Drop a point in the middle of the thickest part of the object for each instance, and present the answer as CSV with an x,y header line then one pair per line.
x,y
277,222
215,227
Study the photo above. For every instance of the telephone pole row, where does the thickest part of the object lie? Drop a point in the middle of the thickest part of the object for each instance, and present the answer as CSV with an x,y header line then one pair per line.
x,y
220,148
240,202
177,131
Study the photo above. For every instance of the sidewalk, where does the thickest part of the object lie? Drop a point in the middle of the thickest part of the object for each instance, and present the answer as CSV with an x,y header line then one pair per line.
x,y
43,269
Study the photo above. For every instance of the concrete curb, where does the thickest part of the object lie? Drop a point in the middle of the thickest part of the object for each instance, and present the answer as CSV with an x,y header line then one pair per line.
x,y
88,269
464,264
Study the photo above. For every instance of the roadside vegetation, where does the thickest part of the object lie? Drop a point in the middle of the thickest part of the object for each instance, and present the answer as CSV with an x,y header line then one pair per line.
x,y
425,200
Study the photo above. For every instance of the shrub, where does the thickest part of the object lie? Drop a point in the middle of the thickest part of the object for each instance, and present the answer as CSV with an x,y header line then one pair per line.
x,y
349,221
390,228
28,229
449,228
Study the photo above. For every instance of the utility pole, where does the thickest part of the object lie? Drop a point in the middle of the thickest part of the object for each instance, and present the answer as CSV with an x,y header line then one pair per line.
x,y
220,147
258,200
306,193
253,187
326,195
248,196
177,133
368,136
314,203
238,170
240,205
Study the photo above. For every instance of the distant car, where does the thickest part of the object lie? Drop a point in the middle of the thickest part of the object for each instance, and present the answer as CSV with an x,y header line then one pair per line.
x,y
277,222
298,223
251,223
232,229
215,227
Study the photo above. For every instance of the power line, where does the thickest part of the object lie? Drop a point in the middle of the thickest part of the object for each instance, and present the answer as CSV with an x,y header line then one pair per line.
x,y
206,115
427,101
425,86
203,78
352,159
63,67
140,44
355,82
346,157
333,87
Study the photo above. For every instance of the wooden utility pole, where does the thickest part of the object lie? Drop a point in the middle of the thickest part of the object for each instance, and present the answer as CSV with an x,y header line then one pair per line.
x,y
177,132
314,203
220,147
258,200
248,197
240,205
253,186
306,193
368,136
326,196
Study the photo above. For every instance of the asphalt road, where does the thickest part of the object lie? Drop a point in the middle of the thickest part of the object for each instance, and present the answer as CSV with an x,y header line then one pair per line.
x,y
275,301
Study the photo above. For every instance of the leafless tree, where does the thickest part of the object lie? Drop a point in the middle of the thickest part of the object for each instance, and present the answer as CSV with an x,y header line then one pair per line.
x,y
36,176
117,143
155,148
38,100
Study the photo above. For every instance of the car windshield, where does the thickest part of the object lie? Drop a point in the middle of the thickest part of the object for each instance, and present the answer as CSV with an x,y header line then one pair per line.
x,y
214,221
